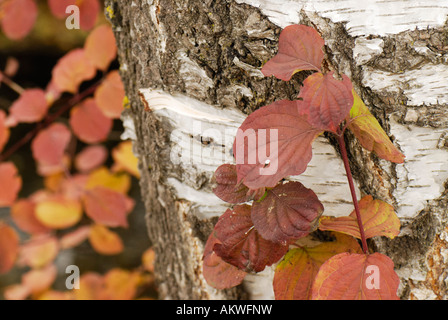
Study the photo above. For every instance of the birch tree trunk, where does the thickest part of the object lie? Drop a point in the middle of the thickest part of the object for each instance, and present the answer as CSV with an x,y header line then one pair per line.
x,y
191,69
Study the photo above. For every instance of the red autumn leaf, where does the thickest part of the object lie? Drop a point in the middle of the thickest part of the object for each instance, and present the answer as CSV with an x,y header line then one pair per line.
x,y
91,157
71,70
89,124
4,131
295,274
88,11
106,207
31,106
241,244
23,213
299,48
110,94
370,134
356,277
280,131
74,238
227,188
18,18
9,247
101,48
288,212
10,185
326,100
378,219
49,145
218,273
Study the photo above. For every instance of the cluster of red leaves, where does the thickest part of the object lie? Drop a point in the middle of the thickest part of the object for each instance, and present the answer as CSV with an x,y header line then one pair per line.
x,y
277,225
83,199
17,17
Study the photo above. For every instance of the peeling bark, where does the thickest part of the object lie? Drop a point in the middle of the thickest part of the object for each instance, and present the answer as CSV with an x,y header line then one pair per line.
x,y
192,73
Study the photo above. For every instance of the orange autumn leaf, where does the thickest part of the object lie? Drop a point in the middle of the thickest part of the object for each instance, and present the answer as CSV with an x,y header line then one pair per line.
x,y
39,280
10,185
4,130
102,177
90,158
58,212
105,206
148,258
49,145
56,295
39,251
110,94
370,133
105,241
356,277
125,160
89,124
9,247
18,18
100,47
30,107
16,292
378,219
71,70
294,275
91,286
121,284
24,216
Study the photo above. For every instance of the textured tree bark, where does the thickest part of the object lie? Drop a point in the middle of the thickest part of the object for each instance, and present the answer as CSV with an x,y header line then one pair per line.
x,y
192,73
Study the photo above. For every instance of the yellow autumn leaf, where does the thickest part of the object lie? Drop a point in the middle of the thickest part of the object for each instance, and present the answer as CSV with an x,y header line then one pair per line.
x,y
125,160
39,251
58,212
370,133
102,177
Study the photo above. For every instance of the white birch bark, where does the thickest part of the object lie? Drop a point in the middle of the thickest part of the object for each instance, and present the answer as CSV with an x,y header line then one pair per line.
x,y
396,53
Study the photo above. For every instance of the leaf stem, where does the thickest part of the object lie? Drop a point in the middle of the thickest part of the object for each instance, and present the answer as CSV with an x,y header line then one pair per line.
x,y
344,155
49,120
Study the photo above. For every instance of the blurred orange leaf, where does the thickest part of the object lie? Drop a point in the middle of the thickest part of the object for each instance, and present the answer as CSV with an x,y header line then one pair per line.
x,y
105,241
100,47
91,285
110,94
39,251
16,292
24,216
90,158
89,124
30,107
106,207
10,185
71,70
58,212
18,18
9,247
49,145
125,160
148,258
39,280
102,177
4,130
74,238
121,284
